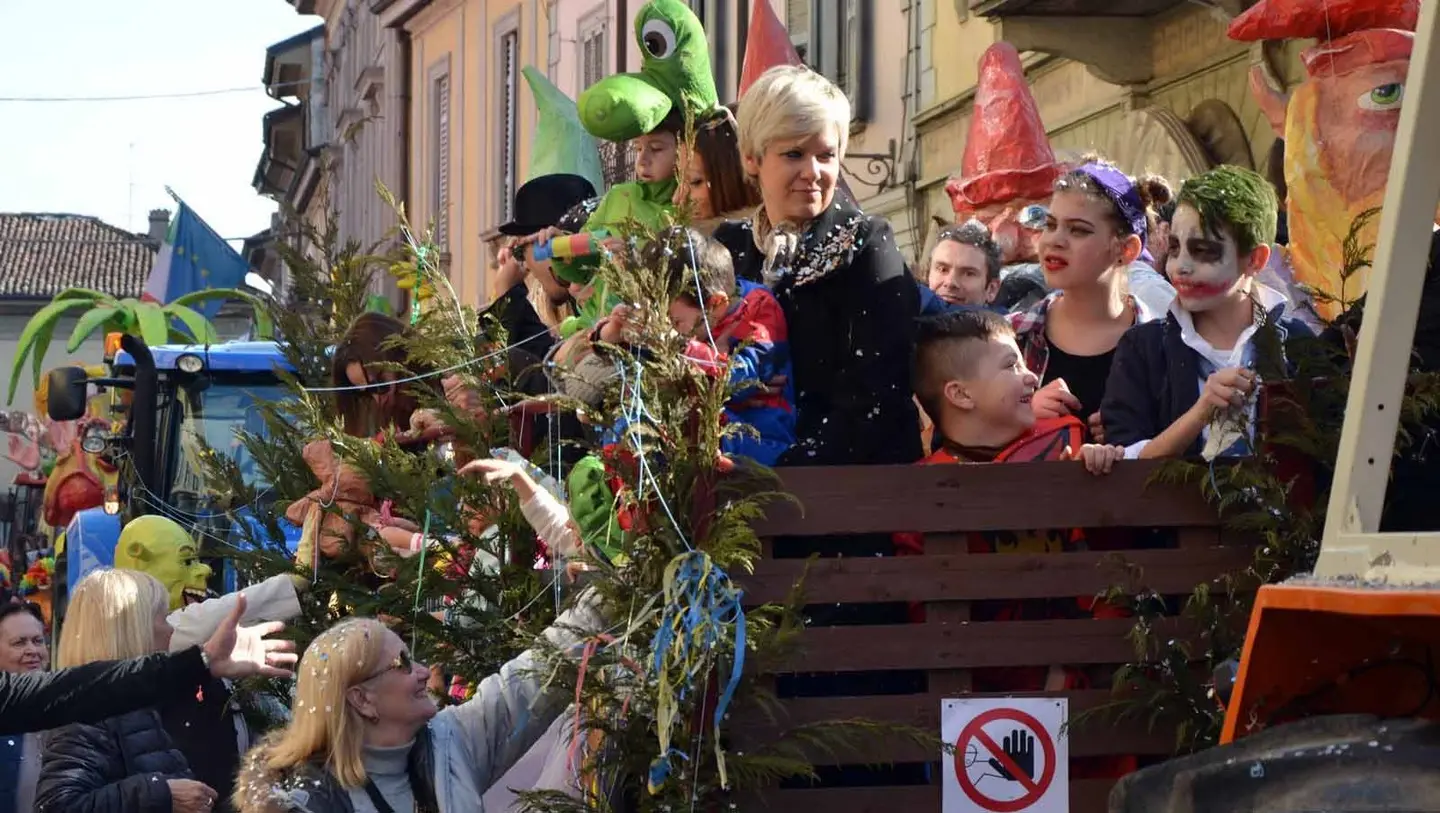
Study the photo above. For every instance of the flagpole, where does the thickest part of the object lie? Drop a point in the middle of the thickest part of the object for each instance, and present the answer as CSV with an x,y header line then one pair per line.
x,y
198,219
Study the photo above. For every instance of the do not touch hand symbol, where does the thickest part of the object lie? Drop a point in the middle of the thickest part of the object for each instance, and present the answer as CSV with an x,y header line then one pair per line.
x,y
1019,746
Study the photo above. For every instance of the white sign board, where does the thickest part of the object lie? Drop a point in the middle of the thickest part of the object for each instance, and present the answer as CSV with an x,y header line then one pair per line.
x,y
1011,755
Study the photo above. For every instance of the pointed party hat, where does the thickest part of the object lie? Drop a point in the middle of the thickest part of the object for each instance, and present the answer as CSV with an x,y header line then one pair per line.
x,y
561,146
1007,154
767,45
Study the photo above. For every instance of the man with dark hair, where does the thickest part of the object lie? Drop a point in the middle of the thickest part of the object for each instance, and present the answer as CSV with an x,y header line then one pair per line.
x,y
964,265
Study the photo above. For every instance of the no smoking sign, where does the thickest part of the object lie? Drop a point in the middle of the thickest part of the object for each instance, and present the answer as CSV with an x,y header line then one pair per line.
x,y
1010,756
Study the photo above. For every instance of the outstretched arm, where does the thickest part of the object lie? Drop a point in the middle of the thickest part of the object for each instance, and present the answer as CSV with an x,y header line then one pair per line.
x,y
512,709
274,599
36,701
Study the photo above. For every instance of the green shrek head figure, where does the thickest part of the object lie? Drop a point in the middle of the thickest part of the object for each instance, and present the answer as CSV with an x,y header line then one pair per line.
x,y
674,77
161,547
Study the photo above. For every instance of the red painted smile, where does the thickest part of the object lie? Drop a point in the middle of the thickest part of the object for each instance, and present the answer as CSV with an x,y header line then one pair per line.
x,y
1200,290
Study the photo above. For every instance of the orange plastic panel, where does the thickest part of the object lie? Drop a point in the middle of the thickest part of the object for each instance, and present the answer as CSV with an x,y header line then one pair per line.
x,y
1314,649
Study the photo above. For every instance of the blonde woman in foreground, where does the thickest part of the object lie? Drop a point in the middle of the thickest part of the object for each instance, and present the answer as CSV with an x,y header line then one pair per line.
x,y
365,736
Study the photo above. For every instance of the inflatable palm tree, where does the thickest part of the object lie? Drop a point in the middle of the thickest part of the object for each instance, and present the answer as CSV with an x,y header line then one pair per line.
x,y
151,321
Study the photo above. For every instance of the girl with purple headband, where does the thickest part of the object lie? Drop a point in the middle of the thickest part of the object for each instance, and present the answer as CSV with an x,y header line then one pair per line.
x,y
1091,246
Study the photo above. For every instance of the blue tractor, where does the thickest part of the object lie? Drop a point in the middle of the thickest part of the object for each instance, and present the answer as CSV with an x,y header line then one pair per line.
x,y
187,398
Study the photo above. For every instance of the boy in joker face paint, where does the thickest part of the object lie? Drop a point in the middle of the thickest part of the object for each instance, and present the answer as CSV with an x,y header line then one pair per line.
x,y
1183,386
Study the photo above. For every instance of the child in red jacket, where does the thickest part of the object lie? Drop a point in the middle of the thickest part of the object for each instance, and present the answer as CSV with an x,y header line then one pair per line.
x,y
972,381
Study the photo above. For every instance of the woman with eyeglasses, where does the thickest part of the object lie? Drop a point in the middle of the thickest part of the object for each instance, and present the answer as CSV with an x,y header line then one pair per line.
x,y
366,736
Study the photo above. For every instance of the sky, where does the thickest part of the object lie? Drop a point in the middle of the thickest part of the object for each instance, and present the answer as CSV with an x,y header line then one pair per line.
x,y
114,159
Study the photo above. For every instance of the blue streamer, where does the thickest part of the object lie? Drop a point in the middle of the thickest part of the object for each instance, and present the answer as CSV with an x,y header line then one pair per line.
x,y
702,601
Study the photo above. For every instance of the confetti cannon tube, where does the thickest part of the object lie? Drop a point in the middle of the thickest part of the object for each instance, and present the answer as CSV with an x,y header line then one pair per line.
x,y
570,246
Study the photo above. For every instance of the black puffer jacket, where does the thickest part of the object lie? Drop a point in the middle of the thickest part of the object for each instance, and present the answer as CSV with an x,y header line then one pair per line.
x,y
118,766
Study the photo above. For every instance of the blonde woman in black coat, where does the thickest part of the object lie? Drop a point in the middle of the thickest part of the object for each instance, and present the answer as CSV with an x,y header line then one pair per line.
x,y
849,301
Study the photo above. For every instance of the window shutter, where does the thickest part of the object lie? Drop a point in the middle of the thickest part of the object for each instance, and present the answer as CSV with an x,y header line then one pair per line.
x,y
592,56
509,120
441,183
850,49
797,22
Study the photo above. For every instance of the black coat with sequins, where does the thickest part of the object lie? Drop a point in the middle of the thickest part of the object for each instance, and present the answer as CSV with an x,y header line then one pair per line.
x,y
850,306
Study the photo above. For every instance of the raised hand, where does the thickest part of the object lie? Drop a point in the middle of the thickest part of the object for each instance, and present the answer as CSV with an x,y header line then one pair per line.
x,y
236,652
499,471
1054,400
1227,388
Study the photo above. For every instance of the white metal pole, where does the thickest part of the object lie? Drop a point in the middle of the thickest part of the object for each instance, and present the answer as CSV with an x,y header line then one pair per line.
x,y
1351,544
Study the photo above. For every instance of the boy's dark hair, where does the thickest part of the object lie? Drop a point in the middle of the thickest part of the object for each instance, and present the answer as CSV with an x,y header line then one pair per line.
x,y
673,123
695,266
945,348
1166,212
1236,201
974,233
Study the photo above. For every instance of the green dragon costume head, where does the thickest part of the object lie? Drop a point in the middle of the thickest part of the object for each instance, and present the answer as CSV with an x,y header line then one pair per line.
x,y
593,507
161,547
674,74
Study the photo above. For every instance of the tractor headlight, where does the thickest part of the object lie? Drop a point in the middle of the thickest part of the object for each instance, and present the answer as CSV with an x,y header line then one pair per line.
x,y
190,363
94,439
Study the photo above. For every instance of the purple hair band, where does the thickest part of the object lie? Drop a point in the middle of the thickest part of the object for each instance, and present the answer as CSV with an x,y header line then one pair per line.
x,y
1117,187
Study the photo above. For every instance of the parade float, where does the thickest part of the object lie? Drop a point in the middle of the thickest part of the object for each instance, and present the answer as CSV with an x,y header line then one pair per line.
x,y
679,699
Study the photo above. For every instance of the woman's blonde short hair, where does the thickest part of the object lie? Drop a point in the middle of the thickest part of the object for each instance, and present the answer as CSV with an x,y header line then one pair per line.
x,y
323,724
111,617
789,102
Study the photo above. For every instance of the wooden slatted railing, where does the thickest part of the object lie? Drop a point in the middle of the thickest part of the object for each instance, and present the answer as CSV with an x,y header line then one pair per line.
x,y
946,503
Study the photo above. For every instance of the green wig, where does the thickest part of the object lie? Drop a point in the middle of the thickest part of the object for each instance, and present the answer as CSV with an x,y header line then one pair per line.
x,y
1236,201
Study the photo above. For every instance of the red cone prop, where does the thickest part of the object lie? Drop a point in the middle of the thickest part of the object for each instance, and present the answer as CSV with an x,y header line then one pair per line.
x,y
767,45
1007,154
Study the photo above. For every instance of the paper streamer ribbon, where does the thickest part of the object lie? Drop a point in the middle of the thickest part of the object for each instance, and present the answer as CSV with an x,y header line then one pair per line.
x,y
700,601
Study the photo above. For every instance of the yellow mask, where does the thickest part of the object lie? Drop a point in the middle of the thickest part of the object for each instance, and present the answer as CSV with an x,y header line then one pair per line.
x,y
161,547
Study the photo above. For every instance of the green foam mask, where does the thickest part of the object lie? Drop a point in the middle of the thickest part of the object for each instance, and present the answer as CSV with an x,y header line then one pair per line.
x,y
674,75
592,506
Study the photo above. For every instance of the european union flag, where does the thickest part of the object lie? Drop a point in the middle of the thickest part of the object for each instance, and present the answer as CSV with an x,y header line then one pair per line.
x,y
194,258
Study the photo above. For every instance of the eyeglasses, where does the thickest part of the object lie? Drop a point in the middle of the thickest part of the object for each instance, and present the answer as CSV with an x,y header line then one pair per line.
x,y
403,662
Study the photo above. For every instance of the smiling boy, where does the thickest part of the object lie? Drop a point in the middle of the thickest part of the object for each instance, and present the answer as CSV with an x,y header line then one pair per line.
x,y
972,381
1172,378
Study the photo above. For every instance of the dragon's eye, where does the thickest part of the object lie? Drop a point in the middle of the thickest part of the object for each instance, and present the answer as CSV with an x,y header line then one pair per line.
x,y
658,38
1382,97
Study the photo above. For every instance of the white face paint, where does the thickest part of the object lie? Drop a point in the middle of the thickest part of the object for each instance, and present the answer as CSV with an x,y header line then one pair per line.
x,y
1205,267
